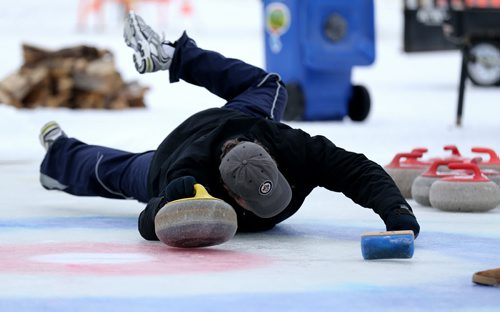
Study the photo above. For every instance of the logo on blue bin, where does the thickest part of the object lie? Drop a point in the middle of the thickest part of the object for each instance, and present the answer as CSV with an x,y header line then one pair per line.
x,y
278,20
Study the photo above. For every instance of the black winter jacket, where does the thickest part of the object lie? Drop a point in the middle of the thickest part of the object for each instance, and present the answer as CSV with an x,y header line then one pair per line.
x,y
194,149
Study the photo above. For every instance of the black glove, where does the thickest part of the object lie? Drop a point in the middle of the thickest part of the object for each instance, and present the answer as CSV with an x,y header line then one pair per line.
x,y
147,218
400,219
181,187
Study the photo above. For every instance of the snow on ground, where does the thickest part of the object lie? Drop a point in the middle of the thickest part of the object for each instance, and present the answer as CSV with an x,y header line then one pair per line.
x,y
60,253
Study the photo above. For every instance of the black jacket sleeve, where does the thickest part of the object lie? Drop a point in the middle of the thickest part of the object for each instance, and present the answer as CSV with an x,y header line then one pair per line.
x,y
359,178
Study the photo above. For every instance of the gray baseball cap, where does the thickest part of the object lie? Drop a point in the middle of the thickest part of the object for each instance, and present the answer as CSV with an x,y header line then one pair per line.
x,y
250,172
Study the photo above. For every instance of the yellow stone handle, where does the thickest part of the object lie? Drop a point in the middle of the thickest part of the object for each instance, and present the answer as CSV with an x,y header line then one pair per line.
x,y
201,192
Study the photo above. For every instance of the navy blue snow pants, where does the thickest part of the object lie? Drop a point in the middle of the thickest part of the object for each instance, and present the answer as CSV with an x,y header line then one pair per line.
x,y
90,170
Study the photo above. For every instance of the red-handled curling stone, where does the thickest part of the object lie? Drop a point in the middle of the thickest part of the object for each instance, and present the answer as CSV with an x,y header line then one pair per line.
x,y
419,161
403,173
492,174
421,150
422,184
471,193
455,153
492,163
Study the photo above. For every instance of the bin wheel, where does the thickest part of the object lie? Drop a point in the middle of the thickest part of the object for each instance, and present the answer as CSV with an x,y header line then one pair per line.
x,y
359,104
483,66
295,107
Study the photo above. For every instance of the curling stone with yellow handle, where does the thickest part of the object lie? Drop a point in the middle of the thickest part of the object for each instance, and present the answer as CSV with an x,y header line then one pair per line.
x,y
198,221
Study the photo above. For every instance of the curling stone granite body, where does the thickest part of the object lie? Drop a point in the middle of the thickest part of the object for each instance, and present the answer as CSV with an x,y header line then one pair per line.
x,y
494,176
195,222
404,177
422,184
198,224
404,174
471,194
490,166
420,189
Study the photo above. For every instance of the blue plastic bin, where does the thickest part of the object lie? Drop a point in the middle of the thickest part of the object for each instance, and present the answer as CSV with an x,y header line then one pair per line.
x,y
313,45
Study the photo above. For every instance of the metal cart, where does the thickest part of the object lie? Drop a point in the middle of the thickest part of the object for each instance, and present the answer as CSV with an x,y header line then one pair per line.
x,y
474,27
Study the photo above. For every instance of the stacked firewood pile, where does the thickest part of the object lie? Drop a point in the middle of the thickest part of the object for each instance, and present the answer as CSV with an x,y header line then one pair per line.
x,y
76,77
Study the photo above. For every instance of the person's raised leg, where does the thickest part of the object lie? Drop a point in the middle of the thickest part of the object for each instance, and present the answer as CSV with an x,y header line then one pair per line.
x,y
247,88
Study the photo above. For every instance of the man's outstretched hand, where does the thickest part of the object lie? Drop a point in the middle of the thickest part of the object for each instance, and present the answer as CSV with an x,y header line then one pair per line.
x,y
400,219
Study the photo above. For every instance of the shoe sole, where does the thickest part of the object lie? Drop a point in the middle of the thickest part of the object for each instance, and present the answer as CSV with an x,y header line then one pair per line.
x,y
142,49
130,32
46,129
